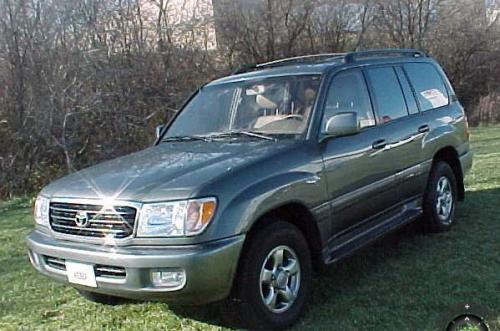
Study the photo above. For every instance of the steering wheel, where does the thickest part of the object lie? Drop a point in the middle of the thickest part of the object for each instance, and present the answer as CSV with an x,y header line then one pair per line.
x,y
294,117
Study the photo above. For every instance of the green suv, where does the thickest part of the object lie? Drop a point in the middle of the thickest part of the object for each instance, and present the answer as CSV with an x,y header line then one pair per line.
x,y
261,178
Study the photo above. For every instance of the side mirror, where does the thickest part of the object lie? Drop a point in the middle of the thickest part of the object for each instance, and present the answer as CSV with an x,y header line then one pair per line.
x,y
159,130
341,124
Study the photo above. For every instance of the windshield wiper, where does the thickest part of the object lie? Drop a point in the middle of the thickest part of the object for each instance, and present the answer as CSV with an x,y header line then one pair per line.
x,y
185,138
240,133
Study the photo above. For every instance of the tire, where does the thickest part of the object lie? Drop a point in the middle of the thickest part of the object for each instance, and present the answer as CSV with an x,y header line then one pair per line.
x,y
440,198
100,298
253,284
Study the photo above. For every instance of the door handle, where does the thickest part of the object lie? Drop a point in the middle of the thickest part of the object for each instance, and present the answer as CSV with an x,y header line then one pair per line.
x,y
424,128
379,144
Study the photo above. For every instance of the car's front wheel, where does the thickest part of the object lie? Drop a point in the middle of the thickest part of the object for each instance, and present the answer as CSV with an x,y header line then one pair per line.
x,y
273,282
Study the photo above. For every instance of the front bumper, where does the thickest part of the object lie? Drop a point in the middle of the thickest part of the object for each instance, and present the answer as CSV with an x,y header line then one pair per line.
x,y
209,267
466,161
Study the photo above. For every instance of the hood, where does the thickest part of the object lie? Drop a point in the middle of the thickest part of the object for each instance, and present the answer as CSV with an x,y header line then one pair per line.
x,y
164,172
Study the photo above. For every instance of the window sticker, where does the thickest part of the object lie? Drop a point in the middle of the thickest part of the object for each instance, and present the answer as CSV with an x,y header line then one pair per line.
x,y
435,97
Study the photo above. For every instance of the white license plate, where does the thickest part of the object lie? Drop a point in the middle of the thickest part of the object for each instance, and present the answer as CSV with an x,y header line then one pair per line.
x,y
81,273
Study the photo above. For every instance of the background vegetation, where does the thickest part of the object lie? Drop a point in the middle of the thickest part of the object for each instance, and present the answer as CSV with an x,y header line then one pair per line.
x,y
406,281
82,81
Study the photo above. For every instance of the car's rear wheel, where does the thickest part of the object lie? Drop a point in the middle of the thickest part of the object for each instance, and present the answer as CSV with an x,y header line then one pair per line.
x,y
273,281
100,298
440,198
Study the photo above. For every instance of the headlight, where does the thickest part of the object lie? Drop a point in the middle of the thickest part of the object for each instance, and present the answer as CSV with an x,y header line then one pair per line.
x,y
41,211
176,219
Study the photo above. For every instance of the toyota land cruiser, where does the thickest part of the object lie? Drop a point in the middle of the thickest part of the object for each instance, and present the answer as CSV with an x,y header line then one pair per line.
x,y
261,177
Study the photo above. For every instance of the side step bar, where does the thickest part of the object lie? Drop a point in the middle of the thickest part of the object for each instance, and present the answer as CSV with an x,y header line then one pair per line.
x,y
351,242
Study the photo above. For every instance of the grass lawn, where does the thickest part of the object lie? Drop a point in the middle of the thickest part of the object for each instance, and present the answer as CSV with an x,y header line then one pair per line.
x,y
406,281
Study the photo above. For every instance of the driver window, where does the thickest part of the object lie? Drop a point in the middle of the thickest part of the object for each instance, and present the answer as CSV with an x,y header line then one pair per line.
x,y
348,93
279,106
268,102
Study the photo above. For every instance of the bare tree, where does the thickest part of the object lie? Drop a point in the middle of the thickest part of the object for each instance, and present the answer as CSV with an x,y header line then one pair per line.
x,y
83,81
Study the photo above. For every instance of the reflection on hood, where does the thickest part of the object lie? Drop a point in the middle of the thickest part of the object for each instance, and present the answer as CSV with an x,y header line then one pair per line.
x,y
166,171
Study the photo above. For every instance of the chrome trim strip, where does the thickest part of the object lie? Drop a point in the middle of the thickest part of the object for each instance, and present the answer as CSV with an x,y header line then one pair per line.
x,y
396,178
112,270
397,144
109,222
352,154
103,230
63,218
413,171
56,261
98,221
67,210
346,198
52,269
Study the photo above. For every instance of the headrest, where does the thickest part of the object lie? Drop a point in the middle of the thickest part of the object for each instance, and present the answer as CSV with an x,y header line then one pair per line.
x,y
264,102
310,94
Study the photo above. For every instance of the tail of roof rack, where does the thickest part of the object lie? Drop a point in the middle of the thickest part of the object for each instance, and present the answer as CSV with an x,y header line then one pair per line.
x,y
351,57
324,58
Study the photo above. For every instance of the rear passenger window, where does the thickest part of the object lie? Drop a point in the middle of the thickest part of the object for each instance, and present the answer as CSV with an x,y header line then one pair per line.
x,y
348,93
388,98
428,84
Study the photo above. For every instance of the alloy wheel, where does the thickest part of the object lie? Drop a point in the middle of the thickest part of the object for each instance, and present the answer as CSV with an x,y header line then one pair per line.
x,y
280,279
444,199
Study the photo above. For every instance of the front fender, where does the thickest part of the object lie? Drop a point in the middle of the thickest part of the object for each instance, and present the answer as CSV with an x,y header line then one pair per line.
x,y
305,188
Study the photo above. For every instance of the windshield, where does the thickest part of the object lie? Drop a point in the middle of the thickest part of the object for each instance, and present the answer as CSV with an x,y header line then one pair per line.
x,y
271,106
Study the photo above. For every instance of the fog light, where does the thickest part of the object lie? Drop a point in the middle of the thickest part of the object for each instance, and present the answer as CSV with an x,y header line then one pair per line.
x,y
169,279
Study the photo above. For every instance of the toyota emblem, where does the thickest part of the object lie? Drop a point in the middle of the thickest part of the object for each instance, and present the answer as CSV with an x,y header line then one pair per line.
x,y
82,219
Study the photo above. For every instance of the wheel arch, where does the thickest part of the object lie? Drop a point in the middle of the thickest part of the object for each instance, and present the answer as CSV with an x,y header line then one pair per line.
x,y
449,155
300,216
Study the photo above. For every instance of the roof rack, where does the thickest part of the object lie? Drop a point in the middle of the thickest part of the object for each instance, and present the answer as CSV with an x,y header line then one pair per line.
x,y
322,58
300,59
297,59
352,56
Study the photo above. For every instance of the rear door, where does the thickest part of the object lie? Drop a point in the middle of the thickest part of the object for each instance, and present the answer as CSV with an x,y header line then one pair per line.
x,y
398,112
359,174
431,96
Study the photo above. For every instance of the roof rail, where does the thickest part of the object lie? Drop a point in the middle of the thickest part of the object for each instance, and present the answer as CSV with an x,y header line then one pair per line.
x,y
347,57
300,59
291,60
352,56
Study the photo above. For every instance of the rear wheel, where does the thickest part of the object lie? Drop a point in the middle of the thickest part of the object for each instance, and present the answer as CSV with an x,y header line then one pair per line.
x,y
273,281
440,198
100,298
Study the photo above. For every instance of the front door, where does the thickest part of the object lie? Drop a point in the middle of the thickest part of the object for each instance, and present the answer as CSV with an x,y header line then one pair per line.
x,y
358,171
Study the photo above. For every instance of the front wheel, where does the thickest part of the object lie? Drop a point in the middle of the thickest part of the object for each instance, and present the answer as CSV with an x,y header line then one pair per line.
x,y
440,198
273,281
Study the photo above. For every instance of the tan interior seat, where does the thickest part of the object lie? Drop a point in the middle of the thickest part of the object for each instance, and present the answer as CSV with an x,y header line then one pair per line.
x,y
265,103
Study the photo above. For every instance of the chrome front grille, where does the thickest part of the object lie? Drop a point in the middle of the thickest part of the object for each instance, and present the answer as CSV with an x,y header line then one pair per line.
x,y
91,220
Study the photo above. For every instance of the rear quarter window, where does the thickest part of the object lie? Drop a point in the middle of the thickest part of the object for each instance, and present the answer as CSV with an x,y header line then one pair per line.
x,y
428,84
